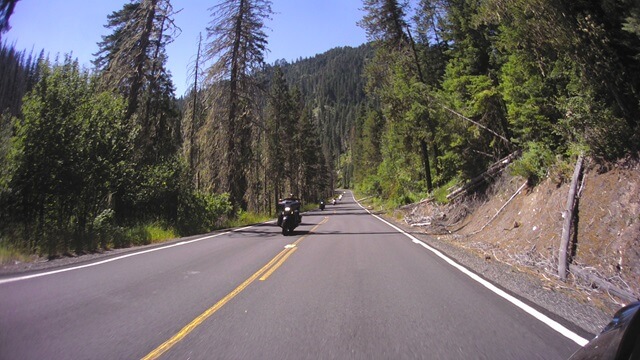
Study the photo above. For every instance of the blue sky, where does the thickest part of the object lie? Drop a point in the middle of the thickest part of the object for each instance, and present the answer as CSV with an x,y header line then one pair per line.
x,y
300,28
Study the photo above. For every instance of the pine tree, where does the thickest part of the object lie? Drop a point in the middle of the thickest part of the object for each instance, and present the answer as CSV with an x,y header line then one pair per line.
x,y
6,10
385,24
570,73
237,44
278,116
313,174
193,117
132,61
470,92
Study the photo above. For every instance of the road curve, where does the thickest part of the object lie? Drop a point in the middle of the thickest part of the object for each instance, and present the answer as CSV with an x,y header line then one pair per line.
x,y
345,286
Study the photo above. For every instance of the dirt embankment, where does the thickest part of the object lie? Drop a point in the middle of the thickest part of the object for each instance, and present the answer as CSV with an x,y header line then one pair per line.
x,y
526,231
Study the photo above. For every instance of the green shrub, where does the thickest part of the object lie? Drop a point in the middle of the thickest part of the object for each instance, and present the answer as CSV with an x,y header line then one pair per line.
x,y
200,212
136,236
534,163
401,198
591,124
370,186
105,231
440,193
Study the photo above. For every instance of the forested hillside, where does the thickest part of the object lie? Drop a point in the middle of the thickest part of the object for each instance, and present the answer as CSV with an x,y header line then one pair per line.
x,y
332,84
108,157
462,84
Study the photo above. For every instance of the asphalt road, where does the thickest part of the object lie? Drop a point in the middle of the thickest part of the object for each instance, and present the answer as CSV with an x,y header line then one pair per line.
x,y
345,286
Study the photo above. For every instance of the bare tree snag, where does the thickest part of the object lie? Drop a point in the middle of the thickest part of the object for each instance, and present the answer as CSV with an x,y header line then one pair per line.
x,y
568,215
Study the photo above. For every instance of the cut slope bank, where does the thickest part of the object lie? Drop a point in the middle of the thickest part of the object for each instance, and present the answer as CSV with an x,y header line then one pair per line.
x,y
524,231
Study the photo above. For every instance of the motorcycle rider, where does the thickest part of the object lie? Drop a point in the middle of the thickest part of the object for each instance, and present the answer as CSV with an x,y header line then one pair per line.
x,y
293,203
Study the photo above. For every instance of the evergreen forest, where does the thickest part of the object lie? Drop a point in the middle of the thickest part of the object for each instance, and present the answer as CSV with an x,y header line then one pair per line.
x,y
442,90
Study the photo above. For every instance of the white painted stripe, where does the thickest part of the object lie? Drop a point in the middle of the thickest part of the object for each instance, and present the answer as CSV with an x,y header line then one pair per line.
x,y
33,276
528,309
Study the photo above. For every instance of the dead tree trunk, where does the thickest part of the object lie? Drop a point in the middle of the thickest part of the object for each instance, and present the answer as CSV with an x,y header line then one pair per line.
x,y
569,212
492,171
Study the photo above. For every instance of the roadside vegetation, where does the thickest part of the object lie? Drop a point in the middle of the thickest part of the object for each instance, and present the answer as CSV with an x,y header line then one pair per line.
x,y
94,159
455,86
137,235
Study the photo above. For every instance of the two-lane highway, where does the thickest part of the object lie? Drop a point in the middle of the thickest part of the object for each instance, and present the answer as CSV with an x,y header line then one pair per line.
x,y
345,286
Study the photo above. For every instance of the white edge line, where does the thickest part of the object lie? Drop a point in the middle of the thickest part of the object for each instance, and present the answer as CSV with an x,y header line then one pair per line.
x,y
526,308
33,276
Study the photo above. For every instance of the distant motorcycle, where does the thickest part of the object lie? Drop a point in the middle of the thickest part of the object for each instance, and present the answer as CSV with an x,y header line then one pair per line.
x,y
321,205
289,215
333,202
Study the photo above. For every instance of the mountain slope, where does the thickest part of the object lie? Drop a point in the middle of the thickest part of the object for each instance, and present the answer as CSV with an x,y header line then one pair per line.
x,y
332,86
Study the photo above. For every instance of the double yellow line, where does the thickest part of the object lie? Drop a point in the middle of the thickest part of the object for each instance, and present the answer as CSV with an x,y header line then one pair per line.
x,y
284,254
262,274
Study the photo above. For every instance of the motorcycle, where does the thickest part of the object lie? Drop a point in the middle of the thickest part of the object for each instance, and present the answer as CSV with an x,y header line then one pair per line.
x,y
321,205
289,217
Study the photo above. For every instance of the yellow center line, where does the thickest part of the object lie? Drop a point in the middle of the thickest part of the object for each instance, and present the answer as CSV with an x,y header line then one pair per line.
x,y
278,264
290,251
202,317
270,267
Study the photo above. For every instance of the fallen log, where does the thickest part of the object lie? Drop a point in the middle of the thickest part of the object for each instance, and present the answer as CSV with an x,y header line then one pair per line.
x,y
490,173
404,207
602,284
